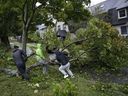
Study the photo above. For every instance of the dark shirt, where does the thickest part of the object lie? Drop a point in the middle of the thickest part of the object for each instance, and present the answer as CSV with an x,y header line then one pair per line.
x,y
61,58
62,33
19,56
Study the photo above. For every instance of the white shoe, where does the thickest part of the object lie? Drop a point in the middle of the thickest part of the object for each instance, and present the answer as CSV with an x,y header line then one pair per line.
x,y
65,76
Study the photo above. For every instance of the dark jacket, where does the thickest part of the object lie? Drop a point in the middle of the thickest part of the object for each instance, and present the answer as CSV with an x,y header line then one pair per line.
x,y
61,33
19,56
61,58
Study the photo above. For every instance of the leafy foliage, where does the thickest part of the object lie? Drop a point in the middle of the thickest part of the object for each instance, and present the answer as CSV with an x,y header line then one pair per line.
x,y
8,18
67,88
104,47
111,89
5,58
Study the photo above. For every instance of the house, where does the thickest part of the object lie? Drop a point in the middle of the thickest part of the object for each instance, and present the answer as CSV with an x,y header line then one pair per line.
x,y
41,29
117,14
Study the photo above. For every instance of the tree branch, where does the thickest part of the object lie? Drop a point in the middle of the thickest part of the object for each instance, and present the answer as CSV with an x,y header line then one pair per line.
x,y
73,43
23,11
32,14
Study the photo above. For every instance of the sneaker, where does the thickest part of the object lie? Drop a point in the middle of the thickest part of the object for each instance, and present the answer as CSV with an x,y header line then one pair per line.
x,y
65,76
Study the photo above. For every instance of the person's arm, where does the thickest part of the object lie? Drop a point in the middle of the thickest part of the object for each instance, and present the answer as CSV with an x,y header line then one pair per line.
x,y
24,55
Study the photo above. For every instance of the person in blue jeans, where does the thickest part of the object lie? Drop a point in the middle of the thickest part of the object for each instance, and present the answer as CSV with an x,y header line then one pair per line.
x,y
20,57
64,63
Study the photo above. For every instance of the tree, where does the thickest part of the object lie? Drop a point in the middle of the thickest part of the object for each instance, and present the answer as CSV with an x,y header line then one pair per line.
x,y
105,48
25,10
52,9
8,19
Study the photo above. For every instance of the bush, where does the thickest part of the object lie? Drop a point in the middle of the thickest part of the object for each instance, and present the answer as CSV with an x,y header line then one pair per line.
x,y
67,88
5,58
104,47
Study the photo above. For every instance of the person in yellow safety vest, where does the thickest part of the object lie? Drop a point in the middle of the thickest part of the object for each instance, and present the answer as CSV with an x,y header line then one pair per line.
x,y
40,56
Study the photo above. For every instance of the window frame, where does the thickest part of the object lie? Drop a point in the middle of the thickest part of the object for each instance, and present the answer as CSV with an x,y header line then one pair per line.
x,y
123,16
126,30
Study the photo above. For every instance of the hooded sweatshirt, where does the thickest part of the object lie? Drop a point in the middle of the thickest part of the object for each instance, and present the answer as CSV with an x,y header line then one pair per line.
x,y
39,52
61,58
19,56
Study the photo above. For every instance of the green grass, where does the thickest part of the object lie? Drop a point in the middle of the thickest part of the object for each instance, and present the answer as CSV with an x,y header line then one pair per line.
x,y
14,86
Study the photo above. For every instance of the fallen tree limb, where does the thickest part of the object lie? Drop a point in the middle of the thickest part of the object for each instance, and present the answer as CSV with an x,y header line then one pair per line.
x,y
15,72
73,43
32,66
9,71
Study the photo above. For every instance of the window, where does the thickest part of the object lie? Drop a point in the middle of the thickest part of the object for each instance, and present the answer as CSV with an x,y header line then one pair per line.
x,y
124,30
122,14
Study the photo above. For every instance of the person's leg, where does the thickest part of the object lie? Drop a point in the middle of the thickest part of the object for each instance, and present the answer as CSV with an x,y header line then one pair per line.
x,y
23,72
44,66
20,70
25,75
62,70
68,69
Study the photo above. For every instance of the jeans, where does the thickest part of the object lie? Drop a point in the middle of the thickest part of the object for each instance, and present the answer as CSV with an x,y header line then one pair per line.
x,y
22,70
65,69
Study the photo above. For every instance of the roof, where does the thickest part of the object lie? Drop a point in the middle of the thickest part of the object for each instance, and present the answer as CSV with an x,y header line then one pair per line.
x,y
121,4
110,4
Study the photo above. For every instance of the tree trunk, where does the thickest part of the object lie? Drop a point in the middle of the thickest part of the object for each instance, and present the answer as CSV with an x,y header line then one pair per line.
x,y
5,41
24,38
27,18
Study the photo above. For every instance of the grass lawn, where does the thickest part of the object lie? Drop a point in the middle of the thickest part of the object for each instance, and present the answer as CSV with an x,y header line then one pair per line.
x,y
43,85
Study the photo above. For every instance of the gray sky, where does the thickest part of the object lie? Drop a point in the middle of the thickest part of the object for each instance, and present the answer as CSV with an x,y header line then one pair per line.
x,y
93,2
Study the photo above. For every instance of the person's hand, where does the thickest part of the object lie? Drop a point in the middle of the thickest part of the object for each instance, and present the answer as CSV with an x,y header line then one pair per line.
x,y
25,59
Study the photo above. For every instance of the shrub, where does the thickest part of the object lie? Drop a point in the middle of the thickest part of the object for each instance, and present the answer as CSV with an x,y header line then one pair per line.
x,y
5,58
104,47
67,88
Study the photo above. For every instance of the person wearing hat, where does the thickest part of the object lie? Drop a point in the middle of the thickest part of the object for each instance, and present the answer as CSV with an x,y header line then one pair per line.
x,y
19,57
40,56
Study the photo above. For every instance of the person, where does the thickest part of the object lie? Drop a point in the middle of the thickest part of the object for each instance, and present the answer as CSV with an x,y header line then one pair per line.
x,y
20,58
64,63
62,33
58,31
41,58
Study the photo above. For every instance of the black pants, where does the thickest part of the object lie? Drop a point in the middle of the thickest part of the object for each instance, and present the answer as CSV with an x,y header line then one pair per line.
x,y
22,70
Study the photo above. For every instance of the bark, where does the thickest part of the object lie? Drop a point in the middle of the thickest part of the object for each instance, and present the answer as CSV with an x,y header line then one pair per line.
x,y
24,38
27,18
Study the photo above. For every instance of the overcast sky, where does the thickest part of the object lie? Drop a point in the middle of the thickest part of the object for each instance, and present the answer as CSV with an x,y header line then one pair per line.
x,y
93,2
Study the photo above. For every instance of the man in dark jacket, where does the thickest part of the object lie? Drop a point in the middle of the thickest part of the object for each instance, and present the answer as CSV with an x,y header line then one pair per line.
x,y
19,57
62,33
64,64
